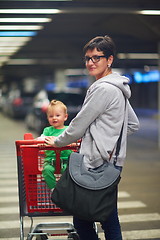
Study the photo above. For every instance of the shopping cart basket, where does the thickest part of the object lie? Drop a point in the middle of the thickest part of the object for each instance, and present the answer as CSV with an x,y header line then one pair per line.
x,y
34,195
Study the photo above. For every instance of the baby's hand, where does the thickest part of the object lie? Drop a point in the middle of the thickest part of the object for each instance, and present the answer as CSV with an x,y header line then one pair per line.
x,y
41,138
50,140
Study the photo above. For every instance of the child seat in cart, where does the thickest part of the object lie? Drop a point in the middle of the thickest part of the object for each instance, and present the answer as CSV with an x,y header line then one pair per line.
x,y
35,196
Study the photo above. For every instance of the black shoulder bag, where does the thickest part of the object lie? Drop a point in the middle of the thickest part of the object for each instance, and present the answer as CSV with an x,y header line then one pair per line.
x,y
88,194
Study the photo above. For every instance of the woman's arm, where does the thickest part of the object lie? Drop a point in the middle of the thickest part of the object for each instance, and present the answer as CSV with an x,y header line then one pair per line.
x,y
133,122
89,112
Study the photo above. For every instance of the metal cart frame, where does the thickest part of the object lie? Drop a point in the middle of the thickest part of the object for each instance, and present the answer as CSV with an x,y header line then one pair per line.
x,y
34,195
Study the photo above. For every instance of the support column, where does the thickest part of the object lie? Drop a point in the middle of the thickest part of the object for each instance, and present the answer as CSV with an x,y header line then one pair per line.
x,y
159,96
60,79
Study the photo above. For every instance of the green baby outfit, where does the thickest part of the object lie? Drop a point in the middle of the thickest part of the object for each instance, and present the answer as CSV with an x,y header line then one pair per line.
x,y
50,158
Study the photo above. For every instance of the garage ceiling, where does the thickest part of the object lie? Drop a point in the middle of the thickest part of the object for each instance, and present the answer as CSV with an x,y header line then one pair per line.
x,y
59,44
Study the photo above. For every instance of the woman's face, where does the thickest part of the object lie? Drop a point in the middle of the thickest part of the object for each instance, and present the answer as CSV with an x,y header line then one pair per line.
x,y
98,69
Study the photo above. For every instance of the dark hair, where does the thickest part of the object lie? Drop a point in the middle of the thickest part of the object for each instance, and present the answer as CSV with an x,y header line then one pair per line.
x,y
103,44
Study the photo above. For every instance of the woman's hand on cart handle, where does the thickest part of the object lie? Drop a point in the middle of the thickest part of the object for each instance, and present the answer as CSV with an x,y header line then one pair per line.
x,y
50,141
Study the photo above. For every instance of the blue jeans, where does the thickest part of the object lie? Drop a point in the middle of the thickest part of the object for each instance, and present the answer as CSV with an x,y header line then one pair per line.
x,y
111,227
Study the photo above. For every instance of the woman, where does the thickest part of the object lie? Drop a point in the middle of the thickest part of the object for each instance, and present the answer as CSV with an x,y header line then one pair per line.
x,y
99,124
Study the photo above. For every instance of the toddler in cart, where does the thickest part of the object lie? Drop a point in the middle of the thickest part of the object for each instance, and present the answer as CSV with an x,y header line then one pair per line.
x,y
56,115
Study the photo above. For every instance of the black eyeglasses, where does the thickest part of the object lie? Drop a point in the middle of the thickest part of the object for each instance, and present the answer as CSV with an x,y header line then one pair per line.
x,y
94,59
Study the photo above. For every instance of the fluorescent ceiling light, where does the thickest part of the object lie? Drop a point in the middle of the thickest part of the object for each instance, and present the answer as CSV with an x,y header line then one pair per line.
x,y
150,12
30,11
39,20
11,44
14,39
19,27
9,48
17,33
138,56
8,52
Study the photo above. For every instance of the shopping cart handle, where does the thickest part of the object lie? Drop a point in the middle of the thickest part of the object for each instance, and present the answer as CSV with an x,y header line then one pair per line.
x,y
39,143
28,136
42,146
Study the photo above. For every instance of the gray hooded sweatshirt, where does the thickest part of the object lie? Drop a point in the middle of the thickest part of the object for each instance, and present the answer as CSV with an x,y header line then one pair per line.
x,y
100,121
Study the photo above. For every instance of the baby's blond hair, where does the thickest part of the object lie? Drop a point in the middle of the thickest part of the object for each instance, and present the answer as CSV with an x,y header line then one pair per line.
x,y
54,103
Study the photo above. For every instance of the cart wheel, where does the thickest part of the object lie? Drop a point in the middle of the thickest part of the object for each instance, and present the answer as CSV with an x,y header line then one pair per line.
x,y
73,236
41,237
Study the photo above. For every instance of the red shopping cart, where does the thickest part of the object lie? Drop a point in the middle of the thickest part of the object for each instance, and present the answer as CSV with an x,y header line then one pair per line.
x,y
34,195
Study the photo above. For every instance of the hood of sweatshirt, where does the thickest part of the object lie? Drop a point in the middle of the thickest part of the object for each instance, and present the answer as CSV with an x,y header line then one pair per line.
x,y
117,80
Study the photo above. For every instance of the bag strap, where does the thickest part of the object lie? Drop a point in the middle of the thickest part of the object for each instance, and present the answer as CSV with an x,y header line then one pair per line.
x,y
119,139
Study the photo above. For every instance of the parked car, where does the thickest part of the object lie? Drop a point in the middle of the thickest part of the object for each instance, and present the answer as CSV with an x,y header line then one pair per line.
x,y
2,100
17,103
36,118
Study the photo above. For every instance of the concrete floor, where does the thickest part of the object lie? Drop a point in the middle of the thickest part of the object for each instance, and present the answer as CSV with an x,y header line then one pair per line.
x,y
139,190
